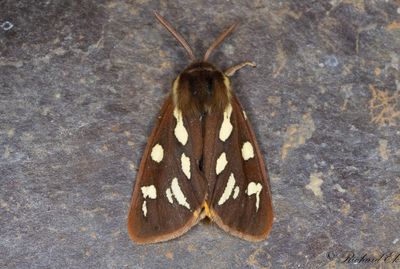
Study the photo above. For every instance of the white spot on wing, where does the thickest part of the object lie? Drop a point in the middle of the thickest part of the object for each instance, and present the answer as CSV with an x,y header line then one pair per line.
x,y
175,91
157,153
244,115
254,188
236,192
247,151
228,86
221,163
169,196
228,190
226,126
178,194
144,208
185,163
149,191
180,131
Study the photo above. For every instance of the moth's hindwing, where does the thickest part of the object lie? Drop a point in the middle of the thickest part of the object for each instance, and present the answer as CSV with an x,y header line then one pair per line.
x,y
169,189
240,199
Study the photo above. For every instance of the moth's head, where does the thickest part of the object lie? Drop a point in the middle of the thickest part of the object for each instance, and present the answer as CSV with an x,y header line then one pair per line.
x,y
201,88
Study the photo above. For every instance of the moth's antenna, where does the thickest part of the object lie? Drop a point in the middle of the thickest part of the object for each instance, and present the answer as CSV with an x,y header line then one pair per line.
x,y
219,40
178,36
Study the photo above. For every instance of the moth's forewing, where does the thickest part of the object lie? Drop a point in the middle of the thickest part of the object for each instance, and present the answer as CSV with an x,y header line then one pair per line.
x,y
239,192
166,202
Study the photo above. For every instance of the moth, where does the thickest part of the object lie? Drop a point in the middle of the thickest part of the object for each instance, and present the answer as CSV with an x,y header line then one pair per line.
x,y
201,160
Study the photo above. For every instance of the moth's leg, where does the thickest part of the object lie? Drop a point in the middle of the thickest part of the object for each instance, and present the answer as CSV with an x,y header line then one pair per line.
x,y
232,70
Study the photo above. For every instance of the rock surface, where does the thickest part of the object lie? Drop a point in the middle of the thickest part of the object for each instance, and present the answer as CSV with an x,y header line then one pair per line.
x,y
81,83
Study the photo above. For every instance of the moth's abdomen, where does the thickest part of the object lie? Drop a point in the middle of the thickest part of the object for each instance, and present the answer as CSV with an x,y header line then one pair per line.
x,y
201,88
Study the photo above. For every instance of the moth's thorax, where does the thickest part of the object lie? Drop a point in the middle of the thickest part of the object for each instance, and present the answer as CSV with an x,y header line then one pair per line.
x,y
201,88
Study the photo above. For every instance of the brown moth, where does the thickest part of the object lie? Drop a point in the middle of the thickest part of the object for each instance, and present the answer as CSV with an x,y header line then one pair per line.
x,y
201,160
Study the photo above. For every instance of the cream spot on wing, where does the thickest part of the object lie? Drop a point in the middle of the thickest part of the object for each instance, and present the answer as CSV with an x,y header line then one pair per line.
x,y
175,91
221,163
149,191
227,84
180,131
226,126
157,153
254,188
247,151
244,115
236,192
228,190
144,208
178,194
169,196
185,163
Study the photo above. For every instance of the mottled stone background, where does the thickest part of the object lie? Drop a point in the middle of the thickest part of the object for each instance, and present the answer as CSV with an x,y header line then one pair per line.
x,y
81,83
